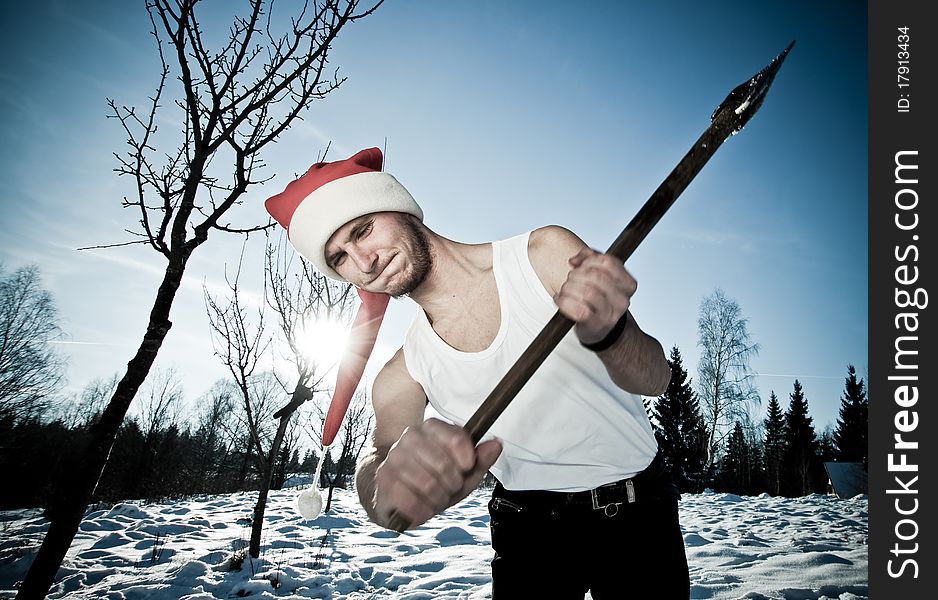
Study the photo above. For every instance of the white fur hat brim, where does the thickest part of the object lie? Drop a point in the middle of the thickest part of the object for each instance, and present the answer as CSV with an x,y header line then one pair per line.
x,y
337,202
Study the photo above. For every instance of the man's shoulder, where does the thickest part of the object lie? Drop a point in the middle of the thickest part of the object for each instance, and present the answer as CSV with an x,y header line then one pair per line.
x,y
549,249
394,379
553,236
394,368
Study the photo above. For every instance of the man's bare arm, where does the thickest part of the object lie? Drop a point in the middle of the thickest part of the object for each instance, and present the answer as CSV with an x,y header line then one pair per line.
x,y
595,290
399,403
648,372
417,468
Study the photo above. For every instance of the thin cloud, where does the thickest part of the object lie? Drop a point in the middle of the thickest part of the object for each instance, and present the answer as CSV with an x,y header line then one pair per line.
x,y
92,28
120,258
788,376
714,238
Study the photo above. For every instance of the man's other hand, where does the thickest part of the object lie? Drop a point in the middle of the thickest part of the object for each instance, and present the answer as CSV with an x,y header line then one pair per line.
x,y
430,468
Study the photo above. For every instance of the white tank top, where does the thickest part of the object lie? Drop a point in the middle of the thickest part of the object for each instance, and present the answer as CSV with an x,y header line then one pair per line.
x,y
570,428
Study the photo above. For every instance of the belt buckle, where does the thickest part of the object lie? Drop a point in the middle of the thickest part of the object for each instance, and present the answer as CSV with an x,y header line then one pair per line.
x,y
610,509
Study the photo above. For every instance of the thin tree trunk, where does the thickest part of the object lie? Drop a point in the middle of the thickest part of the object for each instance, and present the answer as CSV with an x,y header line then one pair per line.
x,y
254,549
300,394
257,526
66,509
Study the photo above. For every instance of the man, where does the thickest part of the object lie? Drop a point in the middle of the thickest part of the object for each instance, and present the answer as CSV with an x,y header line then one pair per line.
x,y
582,502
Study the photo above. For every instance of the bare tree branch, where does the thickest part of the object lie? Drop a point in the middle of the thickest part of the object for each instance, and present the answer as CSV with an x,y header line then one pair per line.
x,y
118,245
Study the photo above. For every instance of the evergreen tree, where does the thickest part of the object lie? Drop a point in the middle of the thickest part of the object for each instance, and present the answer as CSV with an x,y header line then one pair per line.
x,y
800,445
774,445
826,446
680,430
850,435
294,466
646,402
735,474
31,459
309,463
755,459
168,464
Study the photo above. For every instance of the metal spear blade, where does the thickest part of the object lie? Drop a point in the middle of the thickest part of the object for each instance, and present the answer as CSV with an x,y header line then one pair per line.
x,y
746,98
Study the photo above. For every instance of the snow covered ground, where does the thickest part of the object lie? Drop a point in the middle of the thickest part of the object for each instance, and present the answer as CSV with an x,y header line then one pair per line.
x,y
750,547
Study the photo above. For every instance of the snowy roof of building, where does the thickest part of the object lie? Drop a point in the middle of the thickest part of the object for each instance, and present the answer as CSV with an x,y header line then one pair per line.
x,y
847,478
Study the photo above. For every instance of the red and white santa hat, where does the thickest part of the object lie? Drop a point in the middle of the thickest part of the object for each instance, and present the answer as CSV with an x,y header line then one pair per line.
x,y
329,195
311,209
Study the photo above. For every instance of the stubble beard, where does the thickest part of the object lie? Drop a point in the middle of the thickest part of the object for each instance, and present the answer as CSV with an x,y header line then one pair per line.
x,y
421,258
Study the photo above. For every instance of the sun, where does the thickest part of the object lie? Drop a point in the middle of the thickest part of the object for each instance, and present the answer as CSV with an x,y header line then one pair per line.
x,y
322,342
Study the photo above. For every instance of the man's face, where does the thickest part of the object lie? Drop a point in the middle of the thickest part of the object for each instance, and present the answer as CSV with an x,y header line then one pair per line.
x,y
384,252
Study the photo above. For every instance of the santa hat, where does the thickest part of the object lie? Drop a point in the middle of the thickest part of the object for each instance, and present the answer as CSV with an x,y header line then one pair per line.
x,y
311,209
329,195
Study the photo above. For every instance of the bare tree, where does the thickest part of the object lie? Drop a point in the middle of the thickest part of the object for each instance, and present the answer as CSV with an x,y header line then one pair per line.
x,y
303,297
162,396
232,102
299,295
355,433
215,433
242,342
263,428
725,382
158,410
83,410
30,369
288,458
235,426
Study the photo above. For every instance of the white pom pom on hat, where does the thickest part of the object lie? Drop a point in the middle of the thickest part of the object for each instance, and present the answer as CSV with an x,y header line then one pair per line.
x,y
329,195
309,504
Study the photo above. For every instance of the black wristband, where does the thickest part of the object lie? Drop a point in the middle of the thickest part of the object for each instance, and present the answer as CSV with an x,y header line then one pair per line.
x,y
611,337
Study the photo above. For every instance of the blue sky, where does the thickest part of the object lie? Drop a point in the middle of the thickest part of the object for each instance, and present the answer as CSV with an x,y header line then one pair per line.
x,y
500,117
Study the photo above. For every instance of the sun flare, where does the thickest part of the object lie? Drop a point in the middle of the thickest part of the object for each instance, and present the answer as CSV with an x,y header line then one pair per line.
x,y
322,342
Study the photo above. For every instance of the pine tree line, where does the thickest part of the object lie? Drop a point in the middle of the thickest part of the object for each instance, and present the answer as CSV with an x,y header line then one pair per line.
x,y
780,455
169,460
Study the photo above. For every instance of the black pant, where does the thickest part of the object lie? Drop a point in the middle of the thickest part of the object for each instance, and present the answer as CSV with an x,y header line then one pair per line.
x,y
556,545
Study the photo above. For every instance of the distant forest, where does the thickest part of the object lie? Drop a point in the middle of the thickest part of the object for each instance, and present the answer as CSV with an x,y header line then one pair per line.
x,y
780,454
